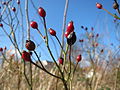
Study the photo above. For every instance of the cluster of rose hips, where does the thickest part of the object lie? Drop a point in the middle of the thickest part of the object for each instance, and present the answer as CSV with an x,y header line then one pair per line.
x,y
69,34
116,7
30,45
90,36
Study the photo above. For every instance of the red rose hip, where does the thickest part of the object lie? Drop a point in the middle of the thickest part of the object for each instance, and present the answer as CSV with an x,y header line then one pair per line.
x,y
34,25
60,60
26,56
41,12
1,49
1,25
70,27
79,58
66,34
52,32
99,6
30,45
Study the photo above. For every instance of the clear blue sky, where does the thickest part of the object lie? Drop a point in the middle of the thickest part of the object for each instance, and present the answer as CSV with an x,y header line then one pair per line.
x,y
82,12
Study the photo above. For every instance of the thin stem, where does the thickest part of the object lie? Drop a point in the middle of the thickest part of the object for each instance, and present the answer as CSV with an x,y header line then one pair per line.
x,y
47,45
59,42
45,70
40,34
115,16
70,58
64,22
54,60
36,10
55,46
69,63
28,37
65,54
11,41
65,84
45,28
27,20
39,60
10,20
25,74
73,75
31,76
116,78
22,26
75,68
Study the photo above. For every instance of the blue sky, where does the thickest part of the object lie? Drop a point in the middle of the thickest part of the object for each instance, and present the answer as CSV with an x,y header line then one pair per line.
x,y
81,12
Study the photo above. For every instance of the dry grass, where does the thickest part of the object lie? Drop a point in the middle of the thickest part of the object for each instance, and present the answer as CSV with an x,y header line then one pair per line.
x,y
12,78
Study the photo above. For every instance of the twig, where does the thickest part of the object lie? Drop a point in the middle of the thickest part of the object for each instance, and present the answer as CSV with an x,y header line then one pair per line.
x,y
45,70
49,50
28,37
64,22
69,56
